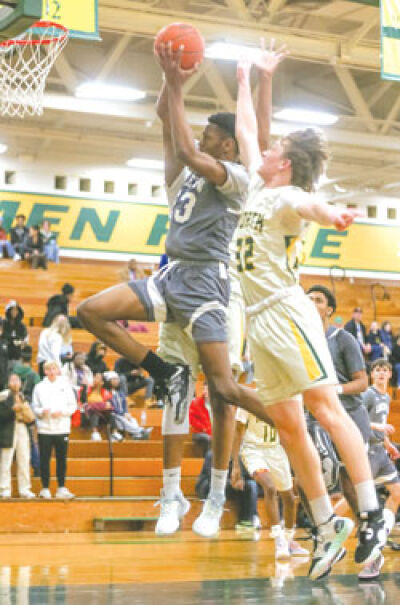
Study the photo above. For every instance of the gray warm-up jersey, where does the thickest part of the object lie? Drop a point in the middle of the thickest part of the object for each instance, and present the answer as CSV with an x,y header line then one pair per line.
x,y
347,359
378,406
204,216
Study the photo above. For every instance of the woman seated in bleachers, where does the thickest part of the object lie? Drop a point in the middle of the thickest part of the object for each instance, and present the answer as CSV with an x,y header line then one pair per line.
x,y
97,405
121,420
51,248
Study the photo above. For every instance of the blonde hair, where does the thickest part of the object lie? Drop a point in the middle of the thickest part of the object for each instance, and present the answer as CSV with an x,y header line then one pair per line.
x,y
61,325
307,152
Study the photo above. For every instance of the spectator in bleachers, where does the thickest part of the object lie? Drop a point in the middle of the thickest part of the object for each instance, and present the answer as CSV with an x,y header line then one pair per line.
x,y
59,305
18,235
54,343
387,339
15,414
200,421
132,378
396,359
98,407
34,248
51,248
77,372
5,244
132,272
374,339
22,367
3,357
14,330
121,420
356,327
29,379
53,403
95,358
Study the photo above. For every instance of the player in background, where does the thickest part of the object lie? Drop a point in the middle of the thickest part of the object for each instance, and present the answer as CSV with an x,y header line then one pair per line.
x,y
382,452
257,445
286,338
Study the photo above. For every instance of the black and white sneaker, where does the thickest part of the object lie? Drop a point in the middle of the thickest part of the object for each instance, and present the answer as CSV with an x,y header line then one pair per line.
x,y
372,536
174,391
328,545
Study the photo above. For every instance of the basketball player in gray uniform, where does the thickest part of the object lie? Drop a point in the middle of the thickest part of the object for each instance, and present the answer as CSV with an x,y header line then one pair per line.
x,y
381,451
206,188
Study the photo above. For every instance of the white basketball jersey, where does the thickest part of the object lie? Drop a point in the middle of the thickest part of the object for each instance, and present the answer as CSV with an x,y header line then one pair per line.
x,y
258,433
269,239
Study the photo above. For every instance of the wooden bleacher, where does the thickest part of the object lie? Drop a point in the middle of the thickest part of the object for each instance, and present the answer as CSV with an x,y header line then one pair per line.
x,y
137,465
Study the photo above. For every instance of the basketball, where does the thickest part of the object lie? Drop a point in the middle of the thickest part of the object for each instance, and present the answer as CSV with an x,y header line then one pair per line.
x,y
182,34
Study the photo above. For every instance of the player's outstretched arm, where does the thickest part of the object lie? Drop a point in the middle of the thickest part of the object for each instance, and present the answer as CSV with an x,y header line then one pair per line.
x,y
266,65
184,146
246,122
326,215
172,165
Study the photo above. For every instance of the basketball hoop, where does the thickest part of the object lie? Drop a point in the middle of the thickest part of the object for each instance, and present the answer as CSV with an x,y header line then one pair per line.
x,y
25,63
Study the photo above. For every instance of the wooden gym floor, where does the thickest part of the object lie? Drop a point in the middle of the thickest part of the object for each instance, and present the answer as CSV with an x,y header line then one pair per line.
x,y
138,567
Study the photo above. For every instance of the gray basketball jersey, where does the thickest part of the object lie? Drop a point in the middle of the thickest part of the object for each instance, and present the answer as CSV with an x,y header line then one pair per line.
x,y
347,359
378,406
204,216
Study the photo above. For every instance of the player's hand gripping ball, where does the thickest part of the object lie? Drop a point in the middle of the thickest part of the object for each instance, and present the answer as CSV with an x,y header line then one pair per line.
x,y
186,36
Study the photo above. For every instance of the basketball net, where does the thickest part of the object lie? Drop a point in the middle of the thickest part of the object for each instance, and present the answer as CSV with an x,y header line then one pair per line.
x,y
25,63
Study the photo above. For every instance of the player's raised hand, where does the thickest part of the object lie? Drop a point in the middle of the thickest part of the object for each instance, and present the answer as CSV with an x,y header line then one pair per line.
x,y
342,219
243,70
170,63
269,59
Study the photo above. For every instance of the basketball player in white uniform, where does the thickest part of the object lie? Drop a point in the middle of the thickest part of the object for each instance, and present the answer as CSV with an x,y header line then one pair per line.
x,y
285,332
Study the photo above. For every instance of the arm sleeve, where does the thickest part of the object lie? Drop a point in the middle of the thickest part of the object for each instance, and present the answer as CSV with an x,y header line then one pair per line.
x,y
6,411
368,400
71,405
37,406
352,353
55,348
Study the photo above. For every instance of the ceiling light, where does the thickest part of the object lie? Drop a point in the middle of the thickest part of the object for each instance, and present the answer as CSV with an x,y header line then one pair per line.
x,y
145,163
230,52
306,116
108,92
3,148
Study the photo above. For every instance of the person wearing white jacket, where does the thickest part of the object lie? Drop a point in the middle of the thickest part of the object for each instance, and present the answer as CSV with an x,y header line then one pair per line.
x,y
54,342
53,404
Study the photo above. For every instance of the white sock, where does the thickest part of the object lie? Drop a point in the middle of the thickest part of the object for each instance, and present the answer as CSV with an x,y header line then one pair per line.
x,y
366,496
218,484
276,531
321,509
171,482
389,519
289,534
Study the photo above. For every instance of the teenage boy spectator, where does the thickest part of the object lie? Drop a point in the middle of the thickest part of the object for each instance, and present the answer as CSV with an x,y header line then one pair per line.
x,y
34,248
23,368
51,249
18,235
3,357
95,358
14,438
59,305
14,330
356,327
53,403
5,244
200,421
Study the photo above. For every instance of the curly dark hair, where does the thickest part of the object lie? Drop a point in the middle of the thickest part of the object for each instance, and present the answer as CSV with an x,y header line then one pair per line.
x,y
307,152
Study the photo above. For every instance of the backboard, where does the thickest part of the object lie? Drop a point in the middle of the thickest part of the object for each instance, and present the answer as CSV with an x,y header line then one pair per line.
x,y
79,16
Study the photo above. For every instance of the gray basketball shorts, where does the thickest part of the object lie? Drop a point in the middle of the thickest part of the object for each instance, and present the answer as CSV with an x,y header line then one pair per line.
x,y
383,469
194,295
361,419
